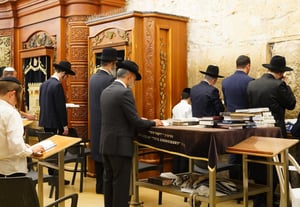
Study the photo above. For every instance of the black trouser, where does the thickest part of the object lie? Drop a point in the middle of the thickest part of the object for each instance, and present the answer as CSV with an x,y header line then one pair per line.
x,y
117,174
99,176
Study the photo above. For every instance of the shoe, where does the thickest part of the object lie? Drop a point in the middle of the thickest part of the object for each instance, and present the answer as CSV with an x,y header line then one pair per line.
x,y
67,182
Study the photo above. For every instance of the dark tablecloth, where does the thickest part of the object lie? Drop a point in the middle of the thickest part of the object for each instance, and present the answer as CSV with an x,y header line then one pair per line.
x,y
193,141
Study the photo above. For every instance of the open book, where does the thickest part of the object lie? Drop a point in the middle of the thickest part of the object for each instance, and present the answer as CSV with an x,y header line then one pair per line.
x,y
47,144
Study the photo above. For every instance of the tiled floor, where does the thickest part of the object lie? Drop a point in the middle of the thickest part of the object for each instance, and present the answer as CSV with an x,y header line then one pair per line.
x,y
88,198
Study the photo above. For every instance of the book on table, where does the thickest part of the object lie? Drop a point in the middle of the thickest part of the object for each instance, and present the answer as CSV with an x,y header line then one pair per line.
x,y
254,110
210,120
47,144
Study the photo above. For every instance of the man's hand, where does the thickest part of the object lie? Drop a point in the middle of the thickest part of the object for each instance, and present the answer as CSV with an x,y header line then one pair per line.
x,y
158,122
66,131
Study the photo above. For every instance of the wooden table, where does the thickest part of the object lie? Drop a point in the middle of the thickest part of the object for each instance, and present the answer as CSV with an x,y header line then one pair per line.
x,y
197,144
62,142
267,147
26,122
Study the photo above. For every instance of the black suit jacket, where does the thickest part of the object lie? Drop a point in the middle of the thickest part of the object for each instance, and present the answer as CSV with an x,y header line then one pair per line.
x,y
205,100
119,120
275,94
53,112
98,82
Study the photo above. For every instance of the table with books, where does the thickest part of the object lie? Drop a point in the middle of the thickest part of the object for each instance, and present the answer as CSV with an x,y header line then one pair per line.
x,y
196,143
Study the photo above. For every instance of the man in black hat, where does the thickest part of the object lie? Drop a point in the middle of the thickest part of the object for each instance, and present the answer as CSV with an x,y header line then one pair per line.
x,y
98,82
270,90
119,120
205,97
53,112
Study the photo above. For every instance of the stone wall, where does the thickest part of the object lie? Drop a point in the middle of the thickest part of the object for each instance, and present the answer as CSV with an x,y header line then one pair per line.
x,y
221,30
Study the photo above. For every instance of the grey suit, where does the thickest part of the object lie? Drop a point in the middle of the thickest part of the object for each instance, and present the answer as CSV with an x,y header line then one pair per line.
x,y
119,122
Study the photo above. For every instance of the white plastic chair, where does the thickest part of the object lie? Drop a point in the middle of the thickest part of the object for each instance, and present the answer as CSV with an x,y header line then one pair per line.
x,y
294,192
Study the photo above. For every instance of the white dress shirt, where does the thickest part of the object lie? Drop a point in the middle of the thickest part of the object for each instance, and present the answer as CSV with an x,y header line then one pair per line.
x,y
13,151
182,110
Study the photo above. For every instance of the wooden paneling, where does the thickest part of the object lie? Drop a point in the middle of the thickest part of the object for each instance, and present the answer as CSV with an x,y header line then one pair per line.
x,y
66,22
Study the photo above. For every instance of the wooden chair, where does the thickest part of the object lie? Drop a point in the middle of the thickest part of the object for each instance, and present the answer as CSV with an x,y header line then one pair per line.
x,y
294,192
20,192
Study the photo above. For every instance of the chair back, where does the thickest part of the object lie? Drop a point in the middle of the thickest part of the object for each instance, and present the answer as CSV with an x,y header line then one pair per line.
x,y
18,192
42,135
294,192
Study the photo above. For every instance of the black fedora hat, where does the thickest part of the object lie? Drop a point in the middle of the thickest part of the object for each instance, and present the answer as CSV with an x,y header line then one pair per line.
x,y
65,66
277,64
212,71
131,66
109,54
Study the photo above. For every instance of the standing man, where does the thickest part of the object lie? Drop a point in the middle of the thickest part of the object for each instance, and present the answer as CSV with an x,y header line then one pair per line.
x,y
234,87
205,97
98,82
53,112
119,123
271,91
235,95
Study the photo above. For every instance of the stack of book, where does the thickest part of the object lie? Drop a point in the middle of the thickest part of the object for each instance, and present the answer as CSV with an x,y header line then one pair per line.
x,y
262,117
235,120
210,120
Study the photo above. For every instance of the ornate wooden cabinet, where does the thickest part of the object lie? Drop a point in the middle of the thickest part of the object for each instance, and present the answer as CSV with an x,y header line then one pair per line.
x,y
158,44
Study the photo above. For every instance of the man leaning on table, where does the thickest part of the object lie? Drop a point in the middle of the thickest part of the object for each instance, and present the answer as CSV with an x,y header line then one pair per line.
x,y
119,123
13,150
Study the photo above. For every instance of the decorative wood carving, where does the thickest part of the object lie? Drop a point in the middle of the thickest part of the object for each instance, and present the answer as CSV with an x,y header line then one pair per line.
x,y
79,92
5,48
149,66
81,73
40,39
79,114
79,53
79,33
111,35
163,72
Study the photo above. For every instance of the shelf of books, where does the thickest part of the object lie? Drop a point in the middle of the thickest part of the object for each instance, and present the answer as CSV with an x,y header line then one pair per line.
x,y
193,185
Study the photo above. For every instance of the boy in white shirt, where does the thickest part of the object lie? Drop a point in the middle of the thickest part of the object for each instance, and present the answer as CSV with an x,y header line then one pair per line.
x,y
183,109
